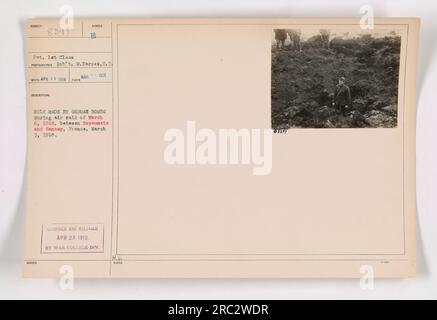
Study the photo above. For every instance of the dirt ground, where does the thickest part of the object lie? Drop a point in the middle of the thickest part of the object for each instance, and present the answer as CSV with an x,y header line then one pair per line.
x,y
303,82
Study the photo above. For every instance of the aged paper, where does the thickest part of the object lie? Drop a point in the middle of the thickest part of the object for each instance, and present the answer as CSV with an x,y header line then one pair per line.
x,y
221,148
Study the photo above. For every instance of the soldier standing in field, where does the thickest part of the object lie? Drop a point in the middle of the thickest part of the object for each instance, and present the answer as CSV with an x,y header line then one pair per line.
x,y
280,37
342,97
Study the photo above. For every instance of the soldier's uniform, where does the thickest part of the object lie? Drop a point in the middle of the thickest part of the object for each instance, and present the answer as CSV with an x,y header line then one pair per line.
x,y
342,98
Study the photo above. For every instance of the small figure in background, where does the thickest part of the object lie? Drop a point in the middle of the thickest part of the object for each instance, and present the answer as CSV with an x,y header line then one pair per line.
x,y
295,36
280,37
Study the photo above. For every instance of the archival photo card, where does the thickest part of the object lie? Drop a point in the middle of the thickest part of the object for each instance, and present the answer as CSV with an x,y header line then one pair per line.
x,y
331,78
194,148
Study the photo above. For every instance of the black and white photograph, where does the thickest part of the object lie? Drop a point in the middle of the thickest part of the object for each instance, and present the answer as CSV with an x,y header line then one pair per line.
x,y
335,78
